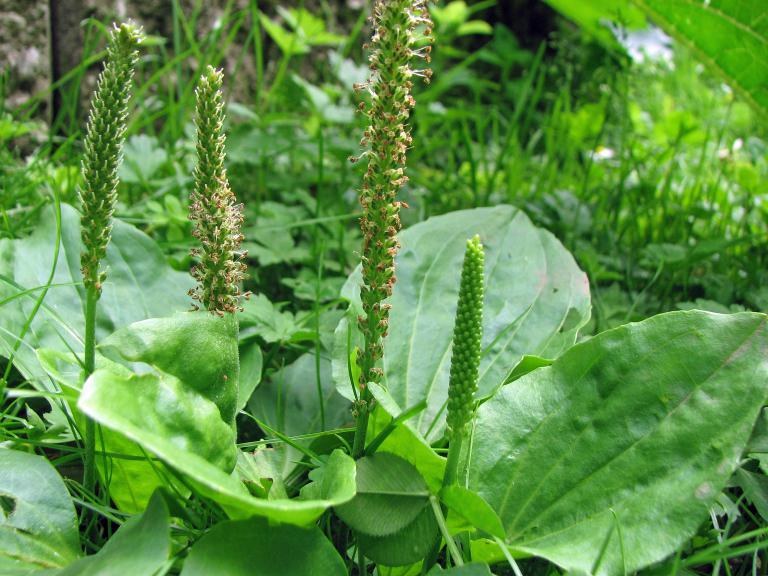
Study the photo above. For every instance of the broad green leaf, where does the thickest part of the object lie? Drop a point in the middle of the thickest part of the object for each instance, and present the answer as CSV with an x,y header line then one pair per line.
x,y
165,407
38,526
408,546
141,546
140,284
247,547
622,439
536,299
472,508
190,399
113,405
729,36
198,348
390,495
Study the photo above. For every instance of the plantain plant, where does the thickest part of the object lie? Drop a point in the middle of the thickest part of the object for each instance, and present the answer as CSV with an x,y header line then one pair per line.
x,y
104,140
602,456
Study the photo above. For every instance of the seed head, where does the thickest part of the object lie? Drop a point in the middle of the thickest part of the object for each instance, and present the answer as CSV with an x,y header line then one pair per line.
x,y
213,208
396,26
104,139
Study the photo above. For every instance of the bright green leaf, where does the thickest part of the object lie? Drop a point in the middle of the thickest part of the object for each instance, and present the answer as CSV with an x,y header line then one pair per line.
x,y
165,407
729,36
622,435
115,404
198,348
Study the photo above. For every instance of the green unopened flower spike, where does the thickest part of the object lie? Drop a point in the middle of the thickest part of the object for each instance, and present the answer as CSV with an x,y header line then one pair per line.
x,y
467,338
213,208
399,26
104,139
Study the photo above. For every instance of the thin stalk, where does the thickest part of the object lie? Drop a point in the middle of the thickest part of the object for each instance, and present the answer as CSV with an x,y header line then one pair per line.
x,y
453,550
89,362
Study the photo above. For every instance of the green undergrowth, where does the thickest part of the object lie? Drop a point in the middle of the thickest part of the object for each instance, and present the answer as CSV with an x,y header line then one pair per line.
x,y
621,206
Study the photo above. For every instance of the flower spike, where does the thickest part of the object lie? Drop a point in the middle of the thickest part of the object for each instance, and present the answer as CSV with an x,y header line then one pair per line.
x,y
213,208
104,139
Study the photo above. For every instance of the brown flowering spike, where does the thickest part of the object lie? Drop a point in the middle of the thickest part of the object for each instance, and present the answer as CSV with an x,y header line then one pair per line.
x,y
213,207
399,26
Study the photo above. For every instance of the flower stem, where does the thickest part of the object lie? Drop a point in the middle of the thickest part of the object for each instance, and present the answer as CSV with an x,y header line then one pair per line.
x,y
397,25
89,362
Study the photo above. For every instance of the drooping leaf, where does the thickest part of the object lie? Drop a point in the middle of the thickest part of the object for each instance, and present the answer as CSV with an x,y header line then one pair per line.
x,y
536,299
622,438
141,546
729,36
38,526
113,405
163,406
198,348
140,284
127,475
254,546
390,495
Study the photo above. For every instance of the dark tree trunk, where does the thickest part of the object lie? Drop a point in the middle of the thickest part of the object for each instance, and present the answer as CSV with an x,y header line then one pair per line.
x,y
66,44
